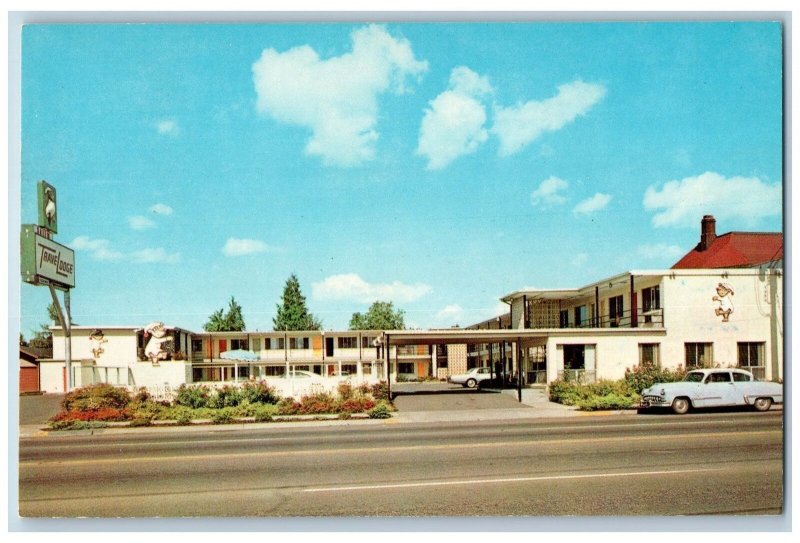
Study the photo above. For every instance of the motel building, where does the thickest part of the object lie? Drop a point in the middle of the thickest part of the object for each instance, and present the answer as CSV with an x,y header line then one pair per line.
x,y
721,305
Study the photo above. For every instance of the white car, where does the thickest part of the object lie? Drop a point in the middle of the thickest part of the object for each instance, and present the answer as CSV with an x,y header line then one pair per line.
x,y
472,378
713,388
300,374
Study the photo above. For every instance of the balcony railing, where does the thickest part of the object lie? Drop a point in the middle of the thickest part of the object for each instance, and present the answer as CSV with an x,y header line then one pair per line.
x,y
644,319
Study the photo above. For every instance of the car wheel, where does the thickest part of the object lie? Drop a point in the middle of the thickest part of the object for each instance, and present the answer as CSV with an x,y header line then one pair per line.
x,y
471,383
680,406
762,404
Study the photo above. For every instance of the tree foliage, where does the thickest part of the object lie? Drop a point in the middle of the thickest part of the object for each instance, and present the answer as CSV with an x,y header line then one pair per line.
x,y
293,313
379,316
230,321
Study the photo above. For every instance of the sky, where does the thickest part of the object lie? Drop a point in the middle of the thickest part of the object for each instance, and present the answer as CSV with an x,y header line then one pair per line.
x,y
438,166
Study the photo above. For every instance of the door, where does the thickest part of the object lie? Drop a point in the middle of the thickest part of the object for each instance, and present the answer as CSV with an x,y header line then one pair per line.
x,y
328,346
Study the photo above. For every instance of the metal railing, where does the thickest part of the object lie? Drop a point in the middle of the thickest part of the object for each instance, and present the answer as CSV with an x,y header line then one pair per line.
x,y
624,319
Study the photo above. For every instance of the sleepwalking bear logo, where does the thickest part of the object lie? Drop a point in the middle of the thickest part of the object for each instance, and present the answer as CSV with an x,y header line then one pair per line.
x,y
724,299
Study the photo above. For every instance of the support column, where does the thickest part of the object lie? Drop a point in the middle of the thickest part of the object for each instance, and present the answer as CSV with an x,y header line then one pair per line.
x,y
519,369
66,324
388,369
634,311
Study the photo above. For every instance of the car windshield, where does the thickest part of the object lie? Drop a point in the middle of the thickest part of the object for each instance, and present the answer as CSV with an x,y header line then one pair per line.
x,y
694,377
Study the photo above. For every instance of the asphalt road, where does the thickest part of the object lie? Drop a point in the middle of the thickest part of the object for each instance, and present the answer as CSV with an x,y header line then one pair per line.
x,y
729,463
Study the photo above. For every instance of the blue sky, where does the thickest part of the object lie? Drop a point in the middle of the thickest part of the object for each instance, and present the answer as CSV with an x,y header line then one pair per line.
x,y
439,166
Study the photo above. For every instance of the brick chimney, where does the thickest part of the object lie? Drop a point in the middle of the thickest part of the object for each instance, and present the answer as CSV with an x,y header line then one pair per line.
x,y
708,231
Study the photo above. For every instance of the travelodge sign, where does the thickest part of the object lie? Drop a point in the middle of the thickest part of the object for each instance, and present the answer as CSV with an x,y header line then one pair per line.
x,y
43,260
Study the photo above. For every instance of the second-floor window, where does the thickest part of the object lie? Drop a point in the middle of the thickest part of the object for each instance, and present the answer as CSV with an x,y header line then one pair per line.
x,y
580,316
299,343
615,310
366,341
347,342
237,344
273,343
651,298
563,318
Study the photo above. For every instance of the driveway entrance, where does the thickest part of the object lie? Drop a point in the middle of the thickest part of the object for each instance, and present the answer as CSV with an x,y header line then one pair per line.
x,y
448,397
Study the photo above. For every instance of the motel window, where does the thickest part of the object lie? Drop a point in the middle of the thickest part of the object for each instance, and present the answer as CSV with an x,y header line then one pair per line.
x,y
237,344
615,310
366,341
441,350
299,343
563,318
648,355
197,345
350,342
580,316
651,298
255,344
751,354
699,355
273,343
406,367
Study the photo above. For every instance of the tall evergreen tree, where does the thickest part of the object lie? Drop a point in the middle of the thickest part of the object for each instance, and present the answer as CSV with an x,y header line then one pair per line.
x,y
379,316
292,311
230,321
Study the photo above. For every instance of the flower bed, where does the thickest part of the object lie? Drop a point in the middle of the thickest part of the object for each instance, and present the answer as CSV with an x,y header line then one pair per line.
x,y
98,405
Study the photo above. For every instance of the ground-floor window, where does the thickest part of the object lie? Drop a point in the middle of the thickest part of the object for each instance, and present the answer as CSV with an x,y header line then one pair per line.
x,y
751,357
699,355
405,367
649,355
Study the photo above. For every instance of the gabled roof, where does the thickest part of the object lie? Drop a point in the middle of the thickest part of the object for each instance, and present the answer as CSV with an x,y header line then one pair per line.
x,y
735,250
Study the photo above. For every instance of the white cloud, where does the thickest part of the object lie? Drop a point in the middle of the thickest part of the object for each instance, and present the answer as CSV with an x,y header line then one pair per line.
x,y
99,249
518,126
161,209
167,127
138,222
241,247
450,315
453,125
154,255
336,98
350,286
684,202
595,203
660,251
549,191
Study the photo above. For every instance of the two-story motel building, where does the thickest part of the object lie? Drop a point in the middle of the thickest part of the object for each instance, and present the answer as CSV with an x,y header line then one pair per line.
x,y
720,305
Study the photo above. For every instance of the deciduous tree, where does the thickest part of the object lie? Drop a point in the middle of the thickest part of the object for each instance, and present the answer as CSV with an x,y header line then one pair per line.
x,y
379,316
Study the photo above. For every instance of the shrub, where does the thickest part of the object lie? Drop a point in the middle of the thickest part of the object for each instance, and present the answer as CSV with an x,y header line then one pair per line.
x,y
380,411
222,416
227,396
380,391
264,413
345,390
141,421
148,409
609,401
288,406
259,392
182,416
317,403
645,376
104,414
77,425
142,395
95,397
193,396
356,404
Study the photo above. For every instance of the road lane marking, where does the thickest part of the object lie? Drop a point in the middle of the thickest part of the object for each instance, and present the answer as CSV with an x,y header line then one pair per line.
x,y
379,449
389,486
294,439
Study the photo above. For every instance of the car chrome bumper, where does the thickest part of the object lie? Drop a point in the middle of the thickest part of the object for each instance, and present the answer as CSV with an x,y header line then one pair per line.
x,y
653,401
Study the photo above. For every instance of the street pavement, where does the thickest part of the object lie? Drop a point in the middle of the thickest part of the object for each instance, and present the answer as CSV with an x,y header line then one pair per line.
x,y
706,464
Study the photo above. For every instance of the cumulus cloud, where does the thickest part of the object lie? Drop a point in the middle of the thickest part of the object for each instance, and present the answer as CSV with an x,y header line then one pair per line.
x,y
660,251
98,249
139,222
595,203
683,202
450,314
549,192
161,209
154,255
241,247
350,286
519,125
453,125
337,97
167,127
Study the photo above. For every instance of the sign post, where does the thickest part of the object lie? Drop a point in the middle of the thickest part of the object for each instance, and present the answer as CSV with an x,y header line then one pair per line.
x,y
45,262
